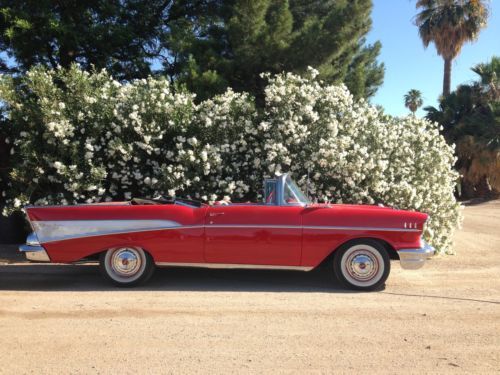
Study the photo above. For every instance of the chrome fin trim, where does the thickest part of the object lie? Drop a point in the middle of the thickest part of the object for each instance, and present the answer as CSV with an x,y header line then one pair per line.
x,y
50,231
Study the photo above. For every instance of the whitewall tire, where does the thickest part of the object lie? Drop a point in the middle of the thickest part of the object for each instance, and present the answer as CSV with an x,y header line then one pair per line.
x,y
126,266
362,264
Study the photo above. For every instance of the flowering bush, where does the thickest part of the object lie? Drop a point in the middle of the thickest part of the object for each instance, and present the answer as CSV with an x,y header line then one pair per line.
x,y
80,137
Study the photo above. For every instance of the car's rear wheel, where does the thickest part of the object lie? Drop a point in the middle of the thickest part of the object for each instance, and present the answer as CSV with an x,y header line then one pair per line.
x,y
126,266
362,265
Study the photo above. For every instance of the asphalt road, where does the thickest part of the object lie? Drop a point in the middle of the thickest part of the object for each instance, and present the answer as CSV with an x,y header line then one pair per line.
x,y
442,318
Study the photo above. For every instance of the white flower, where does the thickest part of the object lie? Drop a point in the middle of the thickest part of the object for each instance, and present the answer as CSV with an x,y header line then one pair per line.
x,y
17,203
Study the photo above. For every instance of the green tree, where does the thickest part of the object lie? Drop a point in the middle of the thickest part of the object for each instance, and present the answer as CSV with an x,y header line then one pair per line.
x,y
364,74
244,38
470,117
120,35
490,78
413,100
449,24
206,45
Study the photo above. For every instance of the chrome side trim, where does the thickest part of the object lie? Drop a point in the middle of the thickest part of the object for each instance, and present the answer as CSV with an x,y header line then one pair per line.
x,y
50,231
381,229
311,227
234,266
413,259
34,253
239,226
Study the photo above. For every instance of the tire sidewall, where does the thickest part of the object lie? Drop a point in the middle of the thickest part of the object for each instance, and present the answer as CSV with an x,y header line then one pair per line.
x,y
386,264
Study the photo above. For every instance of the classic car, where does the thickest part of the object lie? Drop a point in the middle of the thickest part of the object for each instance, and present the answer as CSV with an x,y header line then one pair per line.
x,y
285,232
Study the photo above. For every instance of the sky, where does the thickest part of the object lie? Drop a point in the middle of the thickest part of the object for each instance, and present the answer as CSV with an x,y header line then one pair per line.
x,y
409,66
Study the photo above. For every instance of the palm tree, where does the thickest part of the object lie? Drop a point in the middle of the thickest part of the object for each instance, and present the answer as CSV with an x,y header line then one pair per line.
x,y
413,100
449,24
470,119
490,77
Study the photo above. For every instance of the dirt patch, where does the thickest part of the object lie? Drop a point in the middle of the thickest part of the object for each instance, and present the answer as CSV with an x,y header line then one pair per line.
x,y
442,318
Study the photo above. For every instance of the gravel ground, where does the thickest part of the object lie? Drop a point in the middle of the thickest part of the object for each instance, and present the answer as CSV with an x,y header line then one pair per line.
x,y
442,318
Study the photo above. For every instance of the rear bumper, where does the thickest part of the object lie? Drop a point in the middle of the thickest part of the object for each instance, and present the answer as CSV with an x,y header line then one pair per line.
x,y
34,253
413,259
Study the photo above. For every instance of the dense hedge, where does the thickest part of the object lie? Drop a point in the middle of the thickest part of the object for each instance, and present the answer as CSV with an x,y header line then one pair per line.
x,y
81,137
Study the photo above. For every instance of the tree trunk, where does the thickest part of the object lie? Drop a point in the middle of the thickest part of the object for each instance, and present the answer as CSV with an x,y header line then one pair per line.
x,y
447,76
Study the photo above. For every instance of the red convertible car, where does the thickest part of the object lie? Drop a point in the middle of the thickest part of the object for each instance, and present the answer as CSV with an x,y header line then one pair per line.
x,y
284,232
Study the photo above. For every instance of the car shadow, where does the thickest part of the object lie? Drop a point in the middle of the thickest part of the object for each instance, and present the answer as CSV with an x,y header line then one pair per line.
x,y
84,277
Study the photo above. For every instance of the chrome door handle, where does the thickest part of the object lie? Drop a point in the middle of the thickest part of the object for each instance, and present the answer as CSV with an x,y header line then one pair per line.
x,y
212,214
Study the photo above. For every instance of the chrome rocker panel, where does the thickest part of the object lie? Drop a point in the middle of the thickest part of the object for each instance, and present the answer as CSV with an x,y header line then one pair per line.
x,y
413,259
234,266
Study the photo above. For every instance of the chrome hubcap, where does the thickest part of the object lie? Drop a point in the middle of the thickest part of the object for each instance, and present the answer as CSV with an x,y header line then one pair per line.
x,y
126,262
362,265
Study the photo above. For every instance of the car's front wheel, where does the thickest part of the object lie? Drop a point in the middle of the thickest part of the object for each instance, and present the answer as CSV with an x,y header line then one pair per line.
x,y
126,266
362,264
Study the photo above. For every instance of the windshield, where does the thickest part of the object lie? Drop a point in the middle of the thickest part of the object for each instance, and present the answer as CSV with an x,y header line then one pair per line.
x,y
293,194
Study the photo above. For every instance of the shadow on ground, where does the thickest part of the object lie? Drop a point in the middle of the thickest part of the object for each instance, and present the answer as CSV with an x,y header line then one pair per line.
x,y
42,277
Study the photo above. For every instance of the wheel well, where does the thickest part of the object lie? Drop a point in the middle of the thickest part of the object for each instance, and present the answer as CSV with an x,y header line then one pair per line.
x,y
393,254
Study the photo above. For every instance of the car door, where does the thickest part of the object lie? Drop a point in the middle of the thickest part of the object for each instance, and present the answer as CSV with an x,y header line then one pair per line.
x,y
254,234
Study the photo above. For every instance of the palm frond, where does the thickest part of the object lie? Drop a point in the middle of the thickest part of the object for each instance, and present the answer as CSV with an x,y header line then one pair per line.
x,y
450,23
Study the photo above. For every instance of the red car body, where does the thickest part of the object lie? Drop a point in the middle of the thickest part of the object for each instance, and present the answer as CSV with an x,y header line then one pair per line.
x,y
289,235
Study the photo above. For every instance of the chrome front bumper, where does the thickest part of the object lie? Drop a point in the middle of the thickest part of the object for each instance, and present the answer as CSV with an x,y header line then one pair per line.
x,y
413,259
33,250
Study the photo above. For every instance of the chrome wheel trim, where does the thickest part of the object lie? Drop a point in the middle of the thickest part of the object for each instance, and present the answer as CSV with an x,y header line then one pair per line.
x,y
362,265
125,264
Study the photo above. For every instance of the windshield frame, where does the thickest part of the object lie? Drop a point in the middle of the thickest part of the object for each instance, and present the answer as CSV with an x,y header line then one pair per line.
x,y
281,183
298,194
